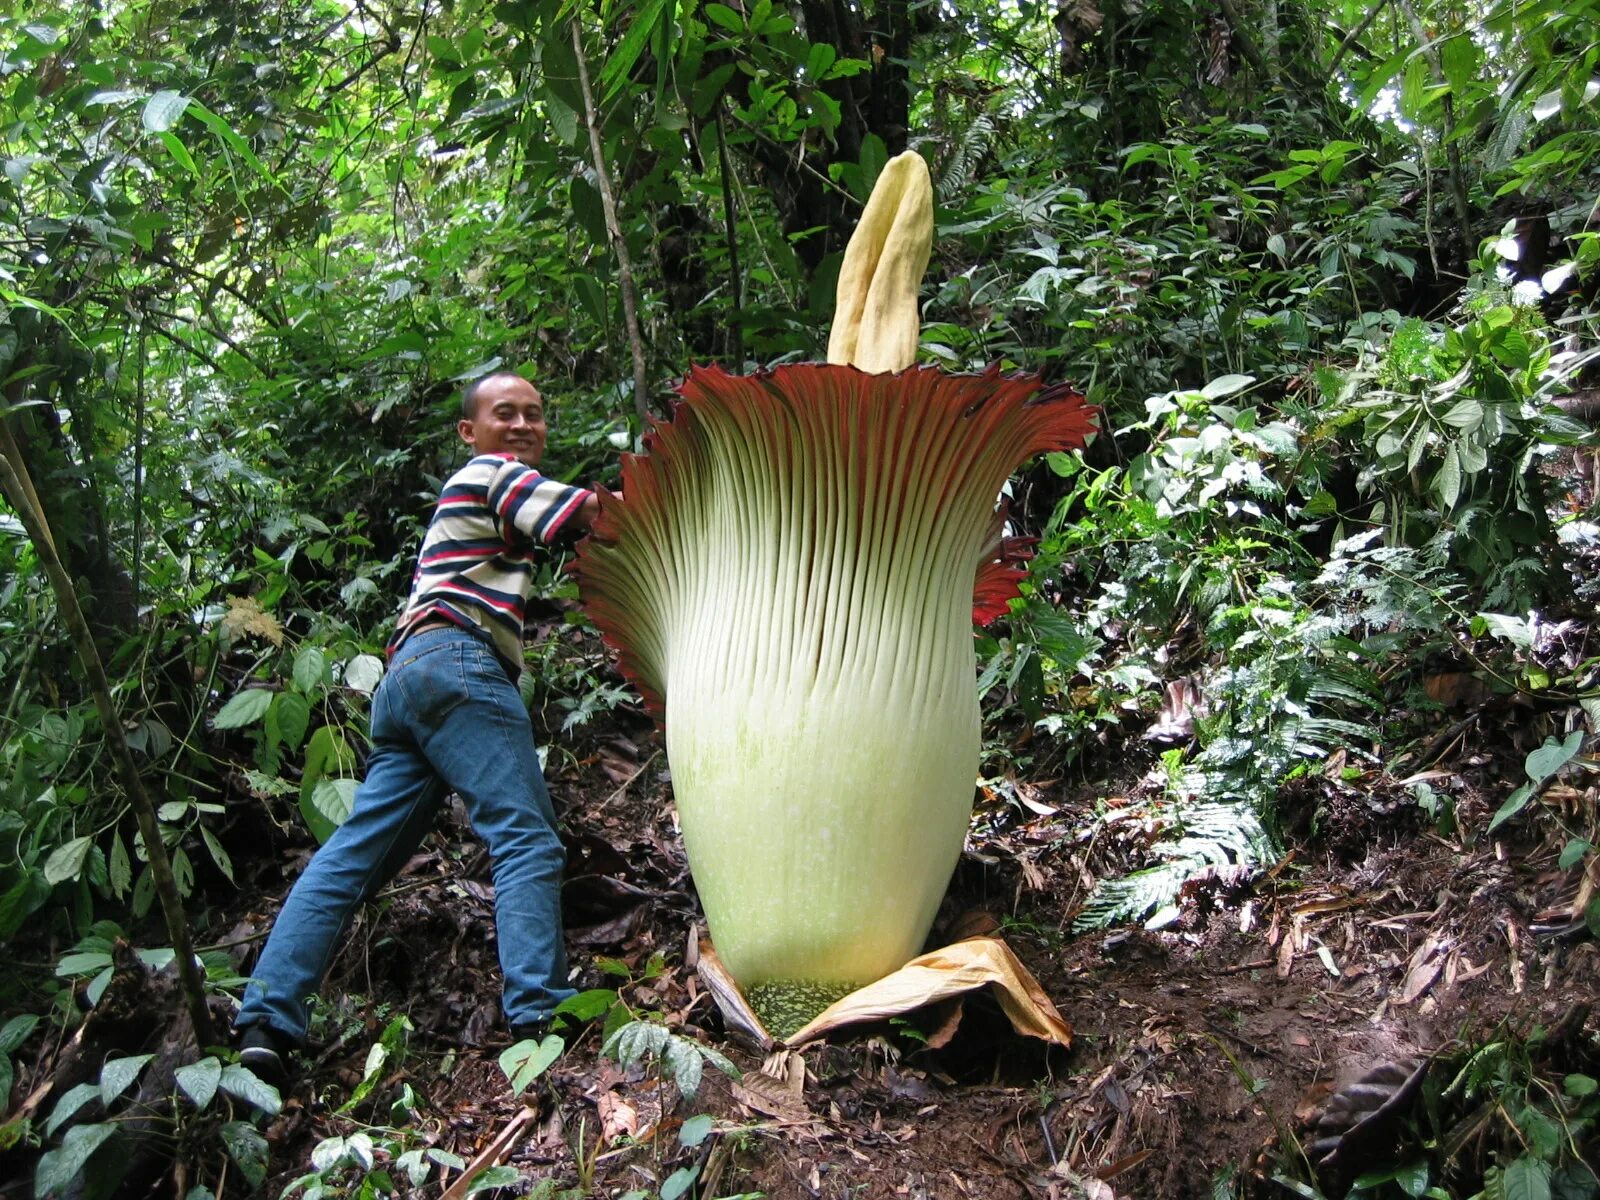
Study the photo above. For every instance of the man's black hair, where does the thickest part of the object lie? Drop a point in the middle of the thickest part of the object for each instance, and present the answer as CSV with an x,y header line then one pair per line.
x,y
469,394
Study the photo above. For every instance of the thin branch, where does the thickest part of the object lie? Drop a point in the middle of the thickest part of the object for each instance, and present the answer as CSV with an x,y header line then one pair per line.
x,y
608,203
187,348
195,323
1350,38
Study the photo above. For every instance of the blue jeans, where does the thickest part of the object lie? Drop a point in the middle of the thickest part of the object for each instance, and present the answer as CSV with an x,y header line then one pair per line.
x,y
445,718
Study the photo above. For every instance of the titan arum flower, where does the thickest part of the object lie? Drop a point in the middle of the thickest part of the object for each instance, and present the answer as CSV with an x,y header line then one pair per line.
x,y
789,577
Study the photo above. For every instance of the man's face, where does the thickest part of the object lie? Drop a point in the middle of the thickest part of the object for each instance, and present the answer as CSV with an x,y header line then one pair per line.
x,y
509,419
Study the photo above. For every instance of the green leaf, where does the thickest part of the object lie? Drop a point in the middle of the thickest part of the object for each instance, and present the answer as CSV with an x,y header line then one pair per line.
x,y
721,14
1515,803
1526,1179
527,1060
180,152
199,1080
120,870
1464,414
67,1107
248,1147
1572,853
679,1182
244,1083
1447,483
695,1130
493,1177
1580,1085
310,668
1413,1177
622,56
363,673
292,712
231,140
164,110
587,1005
1226,385
118,1074
329,806
57,1169
85,963
218,854
685,1065
66,860
246,708
1414,88
588,209
15,1032
1549,758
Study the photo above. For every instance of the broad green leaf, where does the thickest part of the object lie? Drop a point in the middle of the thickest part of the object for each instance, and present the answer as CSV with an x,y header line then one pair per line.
x,y
68,1106
1226,385
1413,1177
40,32
1526,1179
1550,757
587,1005
164,110
58,1168
292,713
695,1129
493,1177
1414,88
1464,414
118,1075
1580,1085
527,1060
199,1080
679,1182
329,806
246,708
685,1064
310,668
115,96
248,1148
721,14
244,1083
363,673
621,57
66,860
83,963
1572,853
1515,803
16,1031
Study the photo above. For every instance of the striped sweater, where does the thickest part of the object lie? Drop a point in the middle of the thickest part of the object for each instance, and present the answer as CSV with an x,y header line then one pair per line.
x,y
476,564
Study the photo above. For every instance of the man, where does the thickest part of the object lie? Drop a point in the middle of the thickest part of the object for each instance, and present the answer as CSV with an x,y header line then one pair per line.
x,y
448,717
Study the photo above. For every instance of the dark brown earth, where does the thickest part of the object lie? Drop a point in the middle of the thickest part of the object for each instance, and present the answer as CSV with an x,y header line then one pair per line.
x,y
1202,1052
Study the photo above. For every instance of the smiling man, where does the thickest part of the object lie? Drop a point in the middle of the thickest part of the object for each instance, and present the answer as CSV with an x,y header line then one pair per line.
x,y
448,717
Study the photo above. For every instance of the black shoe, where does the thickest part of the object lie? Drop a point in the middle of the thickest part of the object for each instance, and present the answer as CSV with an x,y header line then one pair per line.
x,y
536,1031
264,1051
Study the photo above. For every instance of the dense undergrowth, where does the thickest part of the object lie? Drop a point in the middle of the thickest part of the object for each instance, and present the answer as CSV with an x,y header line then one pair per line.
x,y
1327,302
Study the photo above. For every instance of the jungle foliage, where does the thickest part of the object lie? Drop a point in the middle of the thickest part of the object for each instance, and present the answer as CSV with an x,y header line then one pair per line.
x,y
1326,268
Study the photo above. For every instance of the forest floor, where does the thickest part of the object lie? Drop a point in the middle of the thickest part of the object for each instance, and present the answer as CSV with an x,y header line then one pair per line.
x,y
1202,1052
